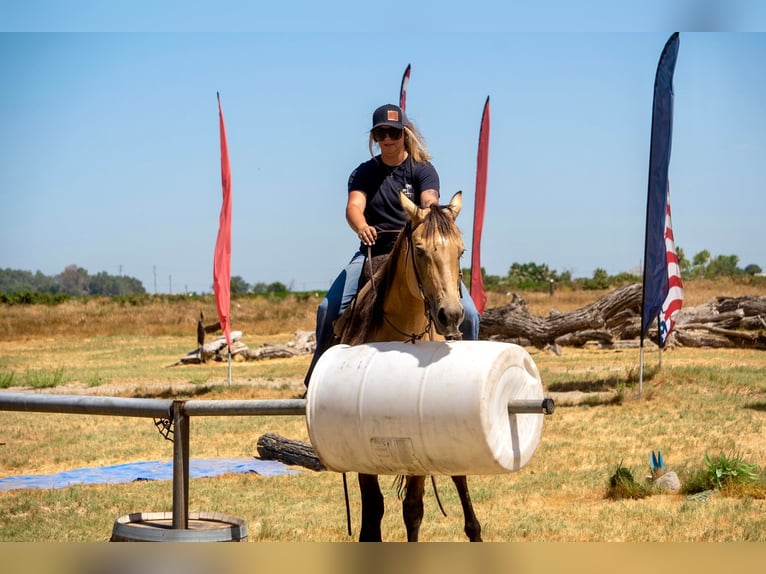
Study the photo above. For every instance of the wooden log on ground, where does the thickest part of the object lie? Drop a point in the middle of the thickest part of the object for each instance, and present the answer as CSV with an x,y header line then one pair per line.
x,y
750,305
697,340
270,352
294,452
580,338
514,321
303,344
735,322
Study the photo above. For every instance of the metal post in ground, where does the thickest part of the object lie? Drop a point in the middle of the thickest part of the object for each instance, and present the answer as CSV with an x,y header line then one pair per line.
x,y
180,467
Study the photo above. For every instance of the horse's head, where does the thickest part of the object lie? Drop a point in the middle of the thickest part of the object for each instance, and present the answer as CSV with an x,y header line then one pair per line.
x,y
436,246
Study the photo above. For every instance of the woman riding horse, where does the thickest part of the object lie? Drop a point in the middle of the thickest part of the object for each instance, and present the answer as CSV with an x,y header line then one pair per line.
x,y
374,212
415,295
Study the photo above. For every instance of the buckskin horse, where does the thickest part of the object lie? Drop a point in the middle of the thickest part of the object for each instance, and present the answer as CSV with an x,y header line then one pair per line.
x,y
414,295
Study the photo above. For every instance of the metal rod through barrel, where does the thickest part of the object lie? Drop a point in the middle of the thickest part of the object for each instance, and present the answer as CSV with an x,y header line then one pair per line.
x,y
534,406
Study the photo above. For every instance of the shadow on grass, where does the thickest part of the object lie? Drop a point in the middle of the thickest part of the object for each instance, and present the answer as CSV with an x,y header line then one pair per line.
x,y
170,393
757,406
597,386
602,399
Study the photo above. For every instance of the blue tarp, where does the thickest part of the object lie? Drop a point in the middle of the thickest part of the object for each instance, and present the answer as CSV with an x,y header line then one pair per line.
x,y
136,471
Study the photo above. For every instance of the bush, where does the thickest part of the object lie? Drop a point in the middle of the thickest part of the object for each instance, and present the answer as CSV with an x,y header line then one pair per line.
x,y
623,485
724,472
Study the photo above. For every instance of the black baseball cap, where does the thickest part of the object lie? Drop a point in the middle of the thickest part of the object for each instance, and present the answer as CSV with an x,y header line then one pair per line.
x,y
389,115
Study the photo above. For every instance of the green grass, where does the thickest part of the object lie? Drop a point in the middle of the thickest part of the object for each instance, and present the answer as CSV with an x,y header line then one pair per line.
x,y
701,401
7,379
45,379
623,485
724,472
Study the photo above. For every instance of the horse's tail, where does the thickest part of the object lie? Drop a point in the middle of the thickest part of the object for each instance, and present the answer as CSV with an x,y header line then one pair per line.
x,y
401,486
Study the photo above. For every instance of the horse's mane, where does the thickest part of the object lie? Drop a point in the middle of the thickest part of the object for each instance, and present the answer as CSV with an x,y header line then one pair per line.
x,y
365,315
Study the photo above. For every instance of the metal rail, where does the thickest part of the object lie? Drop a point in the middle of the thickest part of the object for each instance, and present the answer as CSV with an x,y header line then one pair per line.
x,y
179,412
175,410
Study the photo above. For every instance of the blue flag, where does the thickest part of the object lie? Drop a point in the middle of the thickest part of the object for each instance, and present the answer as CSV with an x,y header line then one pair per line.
x,y
656,282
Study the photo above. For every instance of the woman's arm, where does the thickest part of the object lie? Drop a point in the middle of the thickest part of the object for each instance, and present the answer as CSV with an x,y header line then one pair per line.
x,y
428,197
355,206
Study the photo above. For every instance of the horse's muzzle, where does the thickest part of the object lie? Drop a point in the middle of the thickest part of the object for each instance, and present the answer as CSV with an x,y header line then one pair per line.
x,y
448,321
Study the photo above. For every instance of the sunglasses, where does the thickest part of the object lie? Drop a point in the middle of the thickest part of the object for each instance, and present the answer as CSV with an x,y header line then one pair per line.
x,y
380,133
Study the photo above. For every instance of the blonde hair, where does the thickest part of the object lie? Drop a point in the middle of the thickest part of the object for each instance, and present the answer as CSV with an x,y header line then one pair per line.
x,y
413,143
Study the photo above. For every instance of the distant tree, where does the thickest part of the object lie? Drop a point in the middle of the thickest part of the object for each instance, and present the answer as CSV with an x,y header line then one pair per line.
x,y
277,287
239,285
600,280
74,280
112,285
701,259
723,266
531,275
260,288
683,263
16,281
753,269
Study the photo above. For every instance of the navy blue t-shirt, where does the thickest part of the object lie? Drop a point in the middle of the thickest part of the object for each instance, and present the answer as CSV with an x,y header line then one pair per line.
x,y
382,184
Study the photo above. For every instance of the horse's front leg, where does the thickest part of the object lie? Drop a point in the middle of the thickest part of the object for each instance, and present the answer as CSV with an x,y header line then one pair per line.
x,y
472,527
412,506
372,508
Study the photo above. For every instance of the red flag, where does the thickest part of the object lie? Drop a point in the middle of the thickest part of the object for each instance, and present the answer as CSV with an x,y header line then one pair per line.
x,y
403,88
222,258
675,297
482,162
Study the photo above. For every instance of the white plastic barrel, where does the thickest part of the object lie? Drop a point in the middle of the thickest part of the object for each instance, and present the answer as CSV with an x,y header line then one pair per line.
x,y
422,409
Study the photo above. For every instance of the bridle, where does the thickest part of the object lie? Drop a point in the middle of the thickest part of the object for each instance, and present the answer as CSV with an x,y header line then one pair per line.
x,y
412,337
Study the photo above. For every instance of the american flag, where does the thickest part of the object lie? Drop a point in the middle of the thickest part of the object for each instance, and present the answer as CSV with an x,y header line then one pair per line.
x,y
675,297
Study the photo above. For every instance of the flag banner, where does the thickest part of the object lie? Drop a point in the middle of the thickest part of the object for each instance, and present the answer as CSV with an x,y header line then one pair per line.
x,y
222,257
675,298
403,88
655,281
482,163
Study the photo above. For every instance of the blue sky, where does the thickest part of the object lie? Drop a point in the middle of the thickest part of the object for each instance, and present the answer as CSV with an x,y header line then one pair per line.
x,y
109,154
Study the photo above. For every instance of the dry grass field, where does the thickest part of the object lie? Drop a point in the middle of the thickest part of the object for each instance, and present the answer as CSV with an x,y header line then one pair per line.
x,y
702,401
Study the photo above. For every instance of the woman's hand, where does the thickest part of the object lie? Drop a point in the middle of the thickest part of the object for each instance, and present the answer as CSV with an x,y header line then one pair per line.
x,y
368,234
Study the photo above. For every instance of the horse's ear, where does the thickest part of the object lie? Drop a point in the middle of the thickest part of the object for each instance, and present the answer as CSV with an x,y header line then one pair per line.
x,y
409,207
456,204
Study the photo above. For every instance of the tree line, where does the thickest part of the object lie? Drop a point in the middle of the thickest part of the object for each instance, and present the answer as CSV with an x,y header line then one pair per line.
x,y
539,277
74,281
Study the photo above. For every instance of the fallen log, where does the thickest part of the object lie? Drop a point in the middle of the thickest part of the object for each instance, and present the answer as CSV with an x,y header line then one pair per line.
x,y
735,322
580,338
513,321
303,344
294,452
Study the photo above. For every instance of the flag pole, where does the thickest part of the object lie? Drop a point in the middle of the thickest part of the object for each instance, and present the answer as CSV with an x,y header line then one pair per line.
x,y
655,285
659,347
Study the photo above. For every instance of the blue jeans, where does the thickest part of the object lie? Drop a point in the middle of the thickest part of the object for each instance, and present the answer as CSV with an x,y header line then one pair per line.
x,y
342,292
